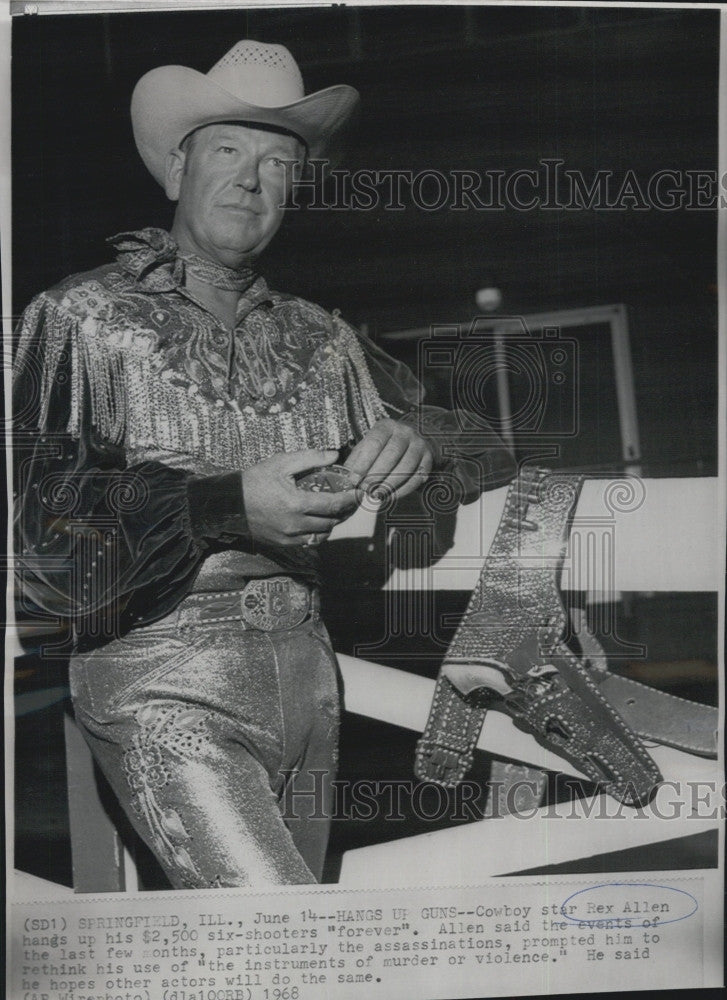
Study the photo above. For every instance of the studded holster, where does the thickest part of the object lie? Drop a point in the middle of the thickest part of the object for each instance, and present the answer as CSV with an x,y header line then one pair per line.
x,y
514,649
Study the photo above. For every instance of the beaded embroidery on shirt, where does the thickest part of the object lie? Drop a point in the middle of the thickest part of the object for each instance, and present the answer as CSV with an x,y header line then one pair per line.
x,y
135,378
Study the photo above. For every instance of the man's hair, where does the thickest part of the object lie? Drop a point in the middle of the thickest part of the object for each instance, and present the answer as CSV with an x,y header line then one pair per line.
x,y
187,144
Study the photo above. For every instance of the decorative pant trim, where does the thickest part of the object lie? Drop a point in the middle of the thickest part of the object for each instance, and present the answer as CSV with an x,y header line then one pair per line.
x,y
164,729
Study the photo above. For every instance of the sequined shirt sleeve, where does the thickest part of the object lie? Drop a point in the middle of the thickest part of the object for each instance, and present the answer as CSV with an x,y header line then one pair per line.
x,y
102,542
475,462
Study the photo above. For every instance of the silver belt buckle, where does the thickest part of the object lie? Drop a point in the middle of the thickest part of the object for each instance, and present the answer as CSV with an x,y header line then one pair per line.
x,y
274,603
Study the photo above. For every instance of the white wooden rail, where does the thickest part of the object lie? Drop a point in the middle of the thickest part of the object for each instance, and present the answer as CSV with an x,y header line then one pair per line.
x,y
493,846
645,535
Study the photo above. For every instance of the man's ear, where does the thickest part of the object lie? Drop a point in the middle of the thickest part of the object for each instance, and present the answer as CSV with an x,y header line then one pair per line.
x,y
173,171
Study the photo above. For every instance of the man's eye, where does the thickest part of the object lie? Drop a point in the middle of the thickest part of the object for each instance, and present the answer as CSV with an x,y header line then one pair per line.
x,y
226,149
281,160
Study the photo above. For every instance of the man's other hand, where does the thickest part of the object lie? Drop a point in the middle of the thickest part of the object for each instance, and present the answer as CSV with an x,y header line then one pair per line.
x,y
280,513
392,457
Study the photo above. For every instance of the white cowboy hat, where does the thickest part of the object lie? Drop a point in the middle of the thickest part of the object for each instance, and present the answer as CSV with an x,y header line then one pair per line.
x,y
254,82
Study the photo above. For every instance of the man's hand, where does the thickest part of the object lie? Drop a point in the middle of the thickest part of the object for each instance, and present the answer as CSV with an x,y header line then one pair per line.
x,y
392,456
280,513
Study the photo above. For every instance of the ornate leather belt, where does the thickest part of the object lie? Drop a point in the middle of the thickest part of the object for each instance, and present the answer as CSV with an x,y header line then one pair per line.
x,y
510,651
271,604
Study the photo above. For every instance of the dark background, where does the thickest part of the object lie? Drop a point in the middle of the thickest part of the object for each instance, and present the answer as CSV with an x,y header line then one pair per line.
x,y
455,88
475,88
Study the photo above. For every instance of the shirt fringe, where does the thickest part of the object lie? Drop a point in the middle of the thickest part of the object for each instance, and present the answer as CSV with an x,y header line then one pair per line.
x,y
135,401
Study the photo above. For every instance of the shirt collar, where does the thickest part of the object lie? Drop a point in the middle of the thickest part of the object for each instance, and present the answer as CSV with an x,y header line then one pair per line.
x,y
151,257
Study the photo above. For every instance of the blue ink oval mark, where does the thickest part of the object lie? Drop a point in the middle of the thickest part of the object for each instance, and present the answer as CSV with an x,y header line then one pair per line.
x,y
628,904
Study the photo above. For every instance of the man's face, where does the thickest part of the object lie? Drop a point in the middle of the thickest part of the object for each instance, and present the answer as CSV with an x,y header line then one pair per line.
x,y
230,184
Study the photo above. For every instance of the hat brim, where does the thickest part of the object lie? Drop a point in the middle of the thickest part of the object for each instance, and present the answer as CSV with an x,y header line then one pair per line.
x,y
169,102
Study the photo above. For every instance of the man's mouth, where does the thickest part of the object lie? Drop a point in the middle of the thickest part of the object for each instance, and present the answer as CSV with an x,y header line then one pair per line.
x,y
239,208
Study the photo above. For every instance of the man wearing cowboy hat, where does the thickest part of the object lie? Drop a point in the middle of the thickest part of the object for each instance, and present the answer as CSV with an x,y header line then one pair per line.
x,y
178,398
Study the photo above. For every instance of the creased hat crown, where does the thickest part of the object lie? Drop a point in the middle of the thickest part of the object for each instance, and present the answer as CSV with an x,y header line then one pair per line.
x,y
260,74
254,83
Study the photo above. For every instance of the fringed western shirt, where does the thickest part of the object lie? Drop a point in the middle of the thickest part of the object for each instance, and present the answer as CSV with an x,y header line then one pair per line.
x,y
135,409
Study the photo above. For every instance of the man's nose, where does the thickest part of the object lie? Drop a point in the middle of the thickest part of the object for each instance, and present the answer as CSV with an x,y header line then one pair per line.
x,y
248,174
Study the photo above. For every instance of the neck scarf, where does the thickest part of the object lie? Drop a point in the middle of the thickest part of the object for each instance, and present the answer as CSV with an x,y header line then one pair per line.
x,y
217,275
155,261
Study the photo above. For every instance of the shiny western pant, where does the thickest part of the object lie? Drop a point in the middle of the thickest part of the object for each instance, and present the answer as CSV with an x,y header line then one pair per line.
x,y
211,734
